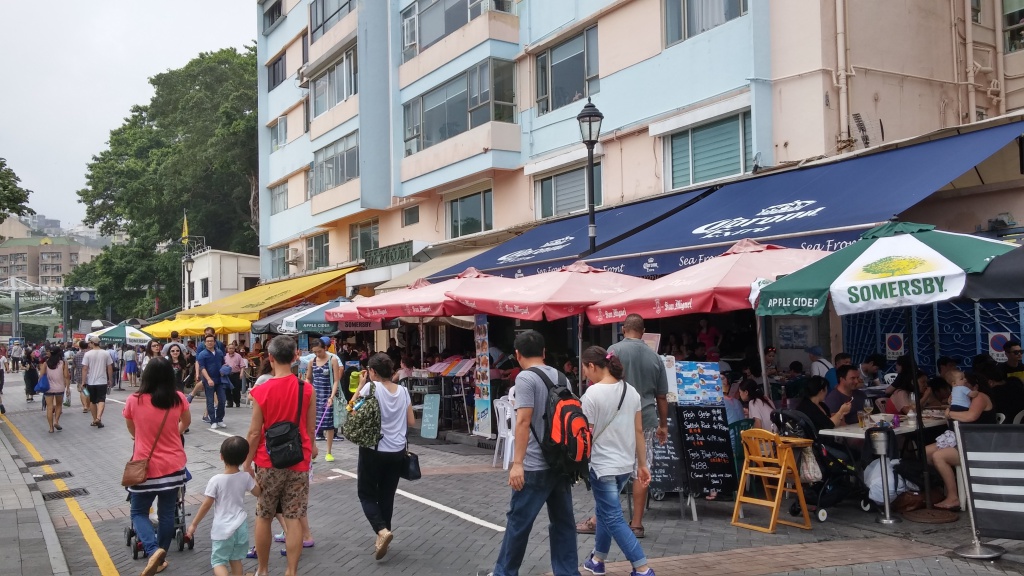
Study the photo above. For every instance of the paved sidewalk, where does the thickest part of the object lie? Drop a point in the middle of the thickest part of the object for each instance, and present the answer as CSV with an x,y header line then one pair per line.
x,y
28,541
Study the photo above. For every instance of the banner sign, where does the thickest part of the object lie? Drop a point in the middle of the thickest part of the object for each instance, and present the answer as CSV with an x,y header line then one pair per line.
x,y
482,376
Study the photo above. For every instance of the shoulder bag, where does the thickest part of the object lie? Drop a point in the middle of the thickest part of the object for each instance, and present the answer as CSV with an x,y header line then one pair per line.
x,y
43,385
411,466
284,439
135,471
363,426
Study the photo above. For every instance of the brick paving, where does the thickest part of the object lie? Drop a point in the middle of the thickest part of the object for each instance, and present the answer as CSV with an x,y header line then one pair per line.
x,y
434,542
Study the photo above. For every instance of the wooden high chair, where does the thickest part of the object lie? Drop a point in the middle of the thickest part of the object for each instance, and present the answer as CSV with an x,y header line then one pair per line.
x,y
770,458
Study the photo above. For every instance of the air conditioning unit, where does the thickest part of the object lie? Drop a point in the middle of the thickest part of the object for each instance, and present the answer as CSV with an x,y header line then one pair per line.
x,y
294,257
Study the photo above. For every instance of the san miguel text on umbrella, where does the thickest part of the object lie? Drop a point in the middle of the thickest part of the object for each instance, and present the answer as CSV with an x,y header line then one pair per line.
x,y
678,305
895,289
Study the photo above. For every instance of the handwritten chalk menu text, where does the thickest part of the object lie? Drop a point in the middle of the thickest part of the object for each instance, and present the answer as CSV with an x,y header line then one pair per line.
x,y
666,466
706,449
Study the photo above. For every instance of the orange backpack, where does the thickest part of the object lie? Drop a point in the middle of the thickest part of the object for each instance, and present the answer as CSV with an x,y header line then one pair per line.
x,y
567,436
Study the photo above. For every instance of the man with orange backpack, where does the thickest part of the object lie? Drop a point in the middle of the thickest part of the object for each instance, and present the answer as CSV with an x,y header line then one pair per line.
x,y
552,452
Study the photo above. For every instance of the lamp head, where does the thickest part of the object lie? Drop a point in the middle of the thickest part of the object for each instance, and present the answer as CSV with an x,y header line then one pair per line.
x,y
590,123
189,263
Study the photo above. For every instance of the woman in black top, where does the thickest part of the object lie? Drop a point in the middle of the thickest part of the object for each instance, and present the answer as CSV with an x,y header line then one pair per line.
x,y
813,405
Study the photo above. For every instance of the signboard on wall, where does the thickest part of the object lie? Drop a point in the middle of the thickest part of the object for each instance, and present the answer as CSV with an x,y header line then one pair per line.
x,y
482,377
894,345
996,343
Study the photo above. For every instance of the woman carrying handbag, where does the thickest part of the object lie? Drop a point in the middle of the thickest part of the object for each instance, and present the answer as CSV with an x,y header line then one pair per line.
x,y
157,415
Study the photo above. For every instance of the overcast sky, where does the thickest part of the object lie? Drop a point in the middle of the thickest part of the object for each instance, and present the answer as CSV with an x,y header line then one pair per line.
x,y
73,70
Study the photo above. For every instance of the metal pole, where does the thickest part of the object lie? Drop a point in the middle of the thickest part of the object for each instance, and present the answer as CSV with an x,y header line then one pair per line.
x,y
64,316
592,227
16,319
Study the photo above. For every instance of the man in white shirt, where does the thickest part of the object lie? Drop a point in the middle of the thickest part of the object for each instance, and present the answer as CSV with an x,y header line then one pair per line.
x,y
97,371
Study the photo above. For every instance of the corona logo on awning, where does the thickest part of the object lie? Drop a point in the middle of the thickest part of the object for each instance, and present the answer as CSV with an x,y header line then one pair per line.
x,y
760,222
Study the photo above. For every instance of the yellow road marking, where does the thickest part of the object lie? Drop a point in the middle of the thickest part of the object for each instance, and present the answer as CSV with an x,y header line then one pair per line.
x,y
99,551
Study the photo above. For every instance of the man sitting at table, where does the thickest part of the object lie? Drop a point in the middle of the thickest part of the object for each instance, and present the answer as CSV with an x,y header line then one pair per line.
x,y
870,368
848,389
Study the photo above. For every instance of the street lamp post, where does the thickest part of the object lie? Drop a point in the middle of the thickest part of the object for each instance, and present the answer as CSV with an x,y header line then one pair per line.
x,y
590,129
189,263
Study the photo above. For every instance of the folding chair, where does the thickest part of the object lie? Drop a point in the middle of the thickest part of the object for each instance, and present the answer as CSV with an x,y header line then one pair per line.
x,y
771,459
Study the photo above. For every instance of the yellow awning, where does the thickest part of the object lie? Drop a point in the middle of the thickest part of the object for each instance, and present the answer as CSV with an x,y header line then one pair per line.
x,y
221,324
249,305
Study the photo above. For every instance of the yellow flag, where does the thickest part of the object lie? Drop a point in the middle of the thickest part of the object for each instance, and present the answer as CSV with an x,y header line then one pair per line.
x,y
184,230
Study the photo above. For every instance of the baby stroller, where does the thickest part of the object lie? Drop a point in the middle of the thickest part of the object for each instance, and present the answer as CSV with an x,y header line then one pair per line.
x,y
131,539
839,477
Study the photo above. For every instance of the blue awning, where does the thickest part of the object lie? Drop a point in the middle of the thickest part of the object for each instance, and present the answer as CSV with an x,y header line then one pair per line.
x,y
822,207
555,244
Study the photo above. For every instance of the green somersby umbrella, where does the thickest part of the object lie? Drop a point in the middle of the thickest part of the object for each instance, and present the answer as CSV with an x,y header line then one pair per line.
x,y
892,265
122,334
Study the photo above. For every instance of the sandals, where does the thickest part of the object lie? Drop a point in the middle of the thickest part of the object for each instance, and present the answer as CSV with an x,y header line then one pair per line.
x,y
588,526
638,531
950,507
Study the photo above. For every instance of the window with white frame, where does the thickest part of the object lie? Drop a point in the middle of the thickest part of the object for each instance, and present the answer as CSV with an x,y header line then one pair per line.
x,y
317,254
324,14
336,164
336,84
568,72
710,151
688,18
279,134
279,198
567,192
276,72
278,262
483,93
426,22
470,214
411,216
362,237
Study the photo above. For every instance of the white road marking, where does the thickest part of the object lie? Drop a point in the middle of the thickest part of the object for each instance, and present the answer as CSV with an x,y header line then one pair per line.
x,y
432,504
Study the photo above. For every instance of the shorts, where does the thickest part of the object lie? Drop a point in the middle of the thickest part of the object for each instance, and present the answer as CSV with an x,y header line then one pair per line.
x,y
946,440
131,367
234,548
97,394
650,437
285,491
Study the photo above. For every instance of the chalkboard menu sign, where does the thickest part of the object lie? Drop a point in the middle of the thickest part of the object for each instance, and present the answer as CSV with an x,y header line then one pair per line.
x,y
666,466
706,449
431,410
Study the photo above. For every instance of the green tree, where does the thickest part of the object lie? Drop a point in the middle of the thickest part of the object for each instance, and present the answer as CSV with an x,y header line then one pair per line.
x,y
894,265
13,198
192,148
129,278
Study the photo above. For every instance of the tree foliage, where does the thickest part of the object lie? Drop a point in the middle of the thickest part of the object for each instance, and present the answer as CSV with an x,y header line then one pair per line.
x,y
13,198
129,278
194,148
894,265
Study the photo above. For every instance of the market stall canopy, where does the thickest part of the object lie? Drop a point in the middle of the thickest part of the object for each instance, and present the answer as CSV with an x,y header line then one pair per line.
x,y
432,266
552,295
824,207
162,329
896,264
722,284
221,324
422,299
272,324
1003,279
313,319
251,303
552,245
122,334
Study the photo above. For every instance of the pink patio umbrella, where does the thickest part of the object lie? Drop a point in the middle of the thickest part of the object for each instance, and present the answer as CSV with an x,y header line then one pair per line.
x,y
722,284
345,312
421,299
552,295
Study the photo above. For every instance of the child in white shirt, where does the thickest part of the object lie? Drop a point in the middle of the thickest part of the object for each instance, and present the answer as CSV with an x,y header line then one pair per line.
x,y
225,494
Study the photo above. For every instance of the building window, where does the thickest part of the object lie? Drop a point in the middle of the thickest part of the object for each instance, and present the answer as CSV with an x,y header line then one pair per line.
x,y
50,268
567,192
74,257
1013,25
483,93
715,150
19,268
317,255
470,214
411,216
688,18
278,262
204,288
336,164
305,48
305,115
324,14
250,282
428,21
272,15
279,134
279,198
276,72
568,72
191,291
336,84
362,237
975,11
49,256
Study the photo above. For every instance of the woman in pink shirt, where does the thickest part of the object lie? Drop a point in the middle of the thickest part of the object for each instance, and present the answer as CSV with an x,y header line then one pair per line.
x,y
237,362
157,415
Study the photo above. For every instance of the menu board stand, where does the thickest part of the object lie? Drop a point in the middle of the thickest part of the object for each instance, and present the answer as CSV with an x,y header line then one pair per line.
x,y
667,471
706,449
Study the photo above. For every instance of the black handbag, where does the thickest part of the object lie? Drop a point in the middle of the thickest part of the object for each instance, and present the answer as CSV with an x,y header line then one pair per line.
x,y
284,440
411,468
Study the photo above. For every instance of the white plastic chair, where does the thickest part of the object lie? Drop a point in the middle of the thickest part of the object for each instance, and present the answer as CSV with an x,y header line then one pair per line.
x,y
889,378
1019,417
506,432
1000,417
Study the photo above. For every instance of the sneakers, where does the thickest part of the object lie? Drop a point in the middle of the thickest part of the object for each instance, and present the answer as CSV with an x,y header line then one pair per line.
x,y
329,457
213,426
594,566
221,425
206,419
649,572
380,547
251,553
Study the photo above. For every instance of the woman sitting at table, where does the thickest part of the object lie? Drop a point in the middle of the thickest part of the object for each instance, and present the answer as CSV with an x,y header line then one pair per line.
x,y
813,405
943,453
900,402
937,393
758,407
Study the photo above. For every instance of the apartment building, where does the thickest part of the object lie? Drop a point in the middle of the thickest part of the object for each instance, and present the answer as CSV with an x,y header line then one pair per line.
x,y
42,260
401,131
